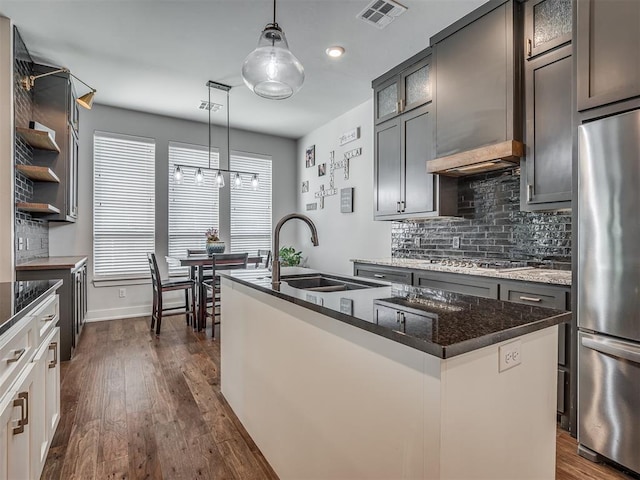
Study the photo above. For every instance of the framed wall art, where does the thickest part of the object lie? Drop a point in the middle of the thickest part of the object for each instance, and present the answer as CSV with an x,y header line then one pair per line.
x,y
310,156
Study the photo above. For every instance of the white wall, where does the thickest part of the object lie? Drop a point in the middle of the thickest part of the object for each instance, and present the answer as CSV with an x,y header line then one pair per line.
x,y
342,236
77,239
7,176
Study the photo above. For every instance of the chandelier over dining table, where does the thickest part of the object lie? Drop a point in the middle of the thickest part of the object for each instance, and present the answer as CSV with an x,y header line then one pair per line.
x,y
235,176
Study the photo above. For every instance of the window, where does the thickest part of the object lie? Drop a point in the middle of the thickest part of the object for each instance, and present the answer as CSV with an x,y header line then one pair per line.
x,y
192,208
251,209
123,205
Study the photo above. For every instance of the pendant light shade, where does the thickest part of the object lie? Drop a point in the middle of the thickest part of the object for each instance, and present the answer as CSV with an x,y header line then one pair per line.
x,y
255,182
86,100
237,180
177,175
219,179
199,177
271,70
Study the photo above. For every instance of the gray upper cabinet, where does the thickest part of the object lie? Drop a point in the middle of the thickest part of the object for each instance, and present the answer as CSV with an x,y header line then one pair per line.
x,y
55,107
477,79
404,88
547,167
547,25
403,144
607,46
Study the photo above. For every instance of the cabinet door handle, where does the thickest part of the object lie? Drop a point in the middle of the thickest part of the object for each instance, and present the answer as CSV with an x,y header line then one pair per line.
x,y
403,206
397,207
378,275
48,318
529,47
401,105
54,346
23,402
530,299
529,192
17,356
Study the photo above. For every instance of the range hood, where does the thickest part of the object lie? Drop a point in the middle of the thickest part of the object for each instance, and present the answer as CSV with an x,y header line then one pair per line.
x,y
484,159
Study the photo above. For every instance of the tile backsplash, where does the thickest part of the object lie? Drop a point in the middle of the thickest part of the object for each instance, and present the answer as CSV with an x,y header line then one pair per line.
x,y
491,226
31,233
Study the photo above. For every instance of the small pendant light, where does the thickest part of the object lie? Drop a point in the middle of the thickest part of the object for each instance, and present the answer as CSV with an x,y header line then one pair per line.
x,y
177,175
237,180
219,179
254,181
271,70
199,177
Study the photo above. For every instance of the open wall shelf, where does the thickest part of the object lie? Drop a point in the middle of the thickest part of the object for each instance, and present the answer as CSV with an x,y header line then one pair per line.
x,y
38,139
38,174
37,208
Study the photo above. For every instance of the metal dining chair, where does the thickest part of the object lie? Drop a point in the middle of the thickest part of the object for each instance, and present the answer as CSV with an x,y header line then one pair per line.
x,y
162,285
229,261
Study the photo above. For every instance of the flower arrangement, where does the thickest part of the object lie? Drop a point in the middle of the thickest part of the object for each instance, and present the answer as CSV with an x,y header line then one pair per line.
x,y
212,235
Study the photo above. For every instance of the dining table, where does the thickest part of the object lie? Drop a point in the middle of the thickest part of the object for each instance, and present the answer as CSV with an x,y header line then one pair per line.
x,y
197,265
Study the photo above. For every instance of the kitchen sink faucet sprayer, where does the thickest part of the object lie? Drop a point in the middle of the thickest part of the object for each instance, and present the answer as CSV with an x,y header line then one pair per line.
x,y
275,270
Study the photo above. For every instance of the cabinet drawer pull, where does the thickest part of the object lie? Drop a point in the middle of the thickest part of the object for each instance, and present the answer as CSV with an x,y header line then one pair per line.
x,y
54,346
23,402
17,356
397,207
48,318
378,275
530,299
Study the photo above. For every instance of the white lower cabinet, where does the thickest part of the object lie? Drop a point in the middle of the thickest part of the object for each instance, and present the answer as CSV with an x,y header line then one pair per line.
x,y
18,428
30,406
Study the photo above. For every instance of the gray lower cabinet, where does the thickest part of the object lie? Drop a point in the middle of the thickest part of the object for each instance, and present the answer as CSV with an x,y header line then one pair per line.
x,y
73,301
547,168
388,274
405,320
607,45
465,284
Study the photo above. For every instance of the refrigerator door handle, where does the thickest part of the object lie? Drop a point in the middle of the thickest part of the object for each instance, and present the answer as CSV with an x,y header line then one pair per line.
x,y
613,347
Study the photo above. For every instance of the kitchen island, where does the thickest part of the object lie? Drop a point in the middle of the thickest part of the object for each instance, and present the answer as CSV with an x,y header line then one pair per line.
x,y
389,381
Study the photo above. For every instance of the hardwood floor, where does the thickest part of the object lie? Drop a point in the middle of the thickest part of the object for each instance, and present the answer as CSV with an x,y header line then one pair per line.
x,y
136,407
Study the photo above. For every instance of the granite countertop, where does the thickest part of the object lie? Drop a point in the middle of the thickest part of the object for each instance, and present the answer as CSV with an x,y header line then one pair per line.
x,y
526,274
18,298
51,263
444,324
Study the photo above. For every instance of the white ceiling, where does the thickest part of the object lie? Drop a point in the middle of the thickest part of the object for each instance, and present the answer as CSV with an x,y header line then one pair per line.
x,y
156,55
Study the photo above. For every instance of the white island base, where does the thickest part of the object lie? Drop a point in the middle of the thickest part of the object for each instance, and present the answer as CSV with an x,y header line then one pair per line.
x,y
326,400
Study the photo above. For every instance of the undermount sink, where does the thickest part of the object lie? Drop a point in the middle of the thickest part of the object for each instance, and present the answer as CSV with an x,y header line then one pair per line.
x,y
326,283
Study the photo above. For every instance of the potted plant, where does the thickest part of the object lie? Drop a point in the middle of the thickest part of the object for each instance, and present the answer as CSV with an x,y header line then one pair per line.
x,y
214,244
289,257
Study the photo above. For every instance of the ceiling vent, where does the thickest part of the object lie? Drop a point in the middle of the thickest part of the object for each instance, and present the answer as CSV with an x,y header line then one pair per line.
x,y
381,12
214,107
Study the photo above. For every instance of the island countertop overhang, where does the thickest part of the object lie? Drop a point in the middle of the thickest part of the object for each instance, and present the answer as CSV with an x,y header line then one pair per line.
x,y
448,324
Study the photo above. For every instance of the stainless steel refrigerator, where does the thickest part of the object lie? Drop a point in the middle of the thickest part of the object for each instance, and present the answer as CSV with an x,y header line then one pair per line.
x,y
609,289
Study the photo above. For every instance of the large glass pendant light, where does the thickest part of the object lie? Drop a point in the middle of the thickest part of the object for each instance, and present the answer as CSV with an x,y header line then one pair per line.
x,y
271,70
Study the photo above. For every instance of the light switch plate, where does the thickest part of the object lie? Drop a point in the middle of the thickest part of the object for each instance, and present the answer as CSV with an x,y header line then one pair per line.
x,y
456,242
510,355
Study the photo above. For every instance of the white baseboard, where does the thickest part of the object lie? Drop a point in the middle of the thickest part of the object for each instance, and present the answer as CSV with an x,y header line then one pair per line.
x,y
123,312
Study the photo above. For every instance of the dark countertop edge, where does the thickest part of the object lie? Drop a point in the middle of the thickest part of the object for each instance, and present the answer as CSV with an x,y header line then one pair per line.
x,y
441,351
18,316
43,263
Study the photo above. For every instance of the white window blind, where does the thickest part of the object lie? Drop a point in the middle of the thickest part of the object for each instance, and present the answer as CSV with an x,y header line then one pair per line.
x,y
123,205
193,209
251,210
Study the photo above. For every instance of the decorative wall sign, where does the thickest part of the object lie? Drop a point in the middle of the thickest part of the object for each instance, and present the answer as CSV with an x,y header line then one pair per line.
x,y
349,136
322,169
312,206
356,152
324,193
305,186
346,200
310,156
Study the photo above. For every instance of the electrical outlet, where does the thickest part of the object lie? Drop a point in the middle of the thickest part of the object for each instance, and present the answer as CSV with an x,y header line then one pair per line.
x,y
27,244
510,355
122,292
456,242
20,243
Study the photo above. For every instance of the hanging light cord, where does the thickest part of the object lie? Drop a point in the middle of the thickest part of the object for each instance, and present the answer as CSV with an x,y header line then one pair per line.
x,y
228,132
274,12
209,151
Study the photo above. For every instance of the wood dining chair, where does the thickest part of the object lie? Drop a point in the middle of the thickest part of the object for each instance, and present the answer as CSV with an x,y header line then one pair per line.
x,y
266,259
168,285
229,261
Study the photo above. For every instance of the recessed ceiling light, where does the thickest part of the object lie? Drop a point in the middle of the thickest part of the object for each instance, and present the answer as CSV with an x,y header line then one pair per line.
x,y
335,52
